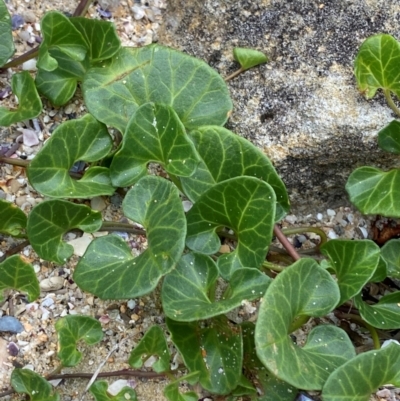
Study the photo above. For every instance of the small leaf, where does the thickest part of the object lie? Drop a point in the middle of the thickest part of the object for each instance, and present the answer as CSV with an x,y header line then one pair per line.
x,y
99,391
390,253
361,376
71,329
50,220
185,290
30,105
244,204
19,275
172,393
248,58
12,219
37,387
302,289
6,39
153,343
83,139
381,271
389,137
154,134
354,263
108,268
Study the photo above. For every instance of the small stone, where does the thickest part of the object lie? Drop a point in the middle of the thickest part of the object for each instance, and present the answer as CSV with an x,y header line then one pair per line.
x,y
320,216
30,137
29,16
12,349
80,244
47,302
17,21
224,249
24,35
187,205
20,200
52,283
97,203
330,212
29,65
291,218
11,324
115,387
131,304
138,12
69,109
14,185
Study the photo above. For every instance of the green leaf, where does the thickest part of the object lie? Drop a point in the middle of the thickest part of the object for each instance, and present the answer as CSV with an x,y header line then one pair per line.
x,y
83,139
172,393
244,204
99,391
185,291
71,329
390,253
354,263
357,379
108,268
30,105
226,155
6,39
302,289
154,134
374,191
16,273
12,219
152,344
380,272
214,350
248,58
376,65
37,387
389,137
154,73
50,220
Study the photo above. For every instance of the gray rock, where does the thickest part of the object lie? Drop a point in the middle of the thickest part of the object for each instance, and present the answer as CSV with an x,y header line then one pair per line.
x,y
10,324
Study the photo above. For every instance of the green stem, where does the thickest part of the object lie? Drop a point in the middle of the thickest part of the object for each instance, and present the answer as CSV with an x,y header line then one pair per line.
x,y
390,102
272,266
124,227
299,230
14,162
298,323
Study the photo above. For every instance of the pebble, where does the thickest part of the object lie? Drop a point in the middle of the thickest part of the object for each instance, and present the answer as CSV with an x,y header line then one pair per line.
x,y
52,283
11,324
131,304
17,22
81,244
24,35
14,185
29,137
330,212
12,349
291,218
29,65
187,205
29,16
98,203
115,387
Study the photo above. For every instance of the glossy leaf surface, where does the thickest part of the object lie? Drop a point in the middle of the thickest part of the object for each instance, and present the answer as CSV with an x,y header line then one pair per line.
x,y
50,220
99,392
154,134
6,38
83,139
391,254
12,219
154,73
172,393
389,137
73,328
185,291
244,204
108,268
302,289
248,58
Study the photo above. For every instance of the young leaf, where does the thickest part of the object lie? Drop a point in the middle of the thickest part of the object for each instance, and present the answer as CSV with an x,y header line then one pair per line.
x,y
226,155
185,290
154,73
71,329
363,375
12,219
108,268
50,220
37,387
354,263
214,350
172,393
303,289
153,343
30,105
99,391
244,204
6,39
376,65
154,134
389,137
17,274
390,253
83,139
248,58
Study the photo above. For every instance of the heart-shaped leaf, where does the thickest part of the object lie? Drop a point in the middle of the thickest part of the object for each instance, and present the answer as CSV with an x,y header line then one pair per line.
x,y
71,329
50,220
172,393
214,350
381,271
17,274
244,204
12,219
389,137
226,155
248,58
83,139
376,65
37,387
152,344
391,254
30,105
6,39
108,268
154,134
354,263
99,391
154,73
361,376
185,291
303,289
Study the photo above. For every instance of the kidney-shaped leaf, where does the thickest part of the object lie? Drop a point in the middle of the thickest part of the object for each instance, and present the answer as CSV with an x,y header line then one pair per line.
x,y
29,106
6,39
108,268
357,379
12,219
226,155
303,289
73,328
354,263
156,74
154,134
84,139
389,137
99,390
248,58
19,275
391,254
244,204
376,65
50,220
185,290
